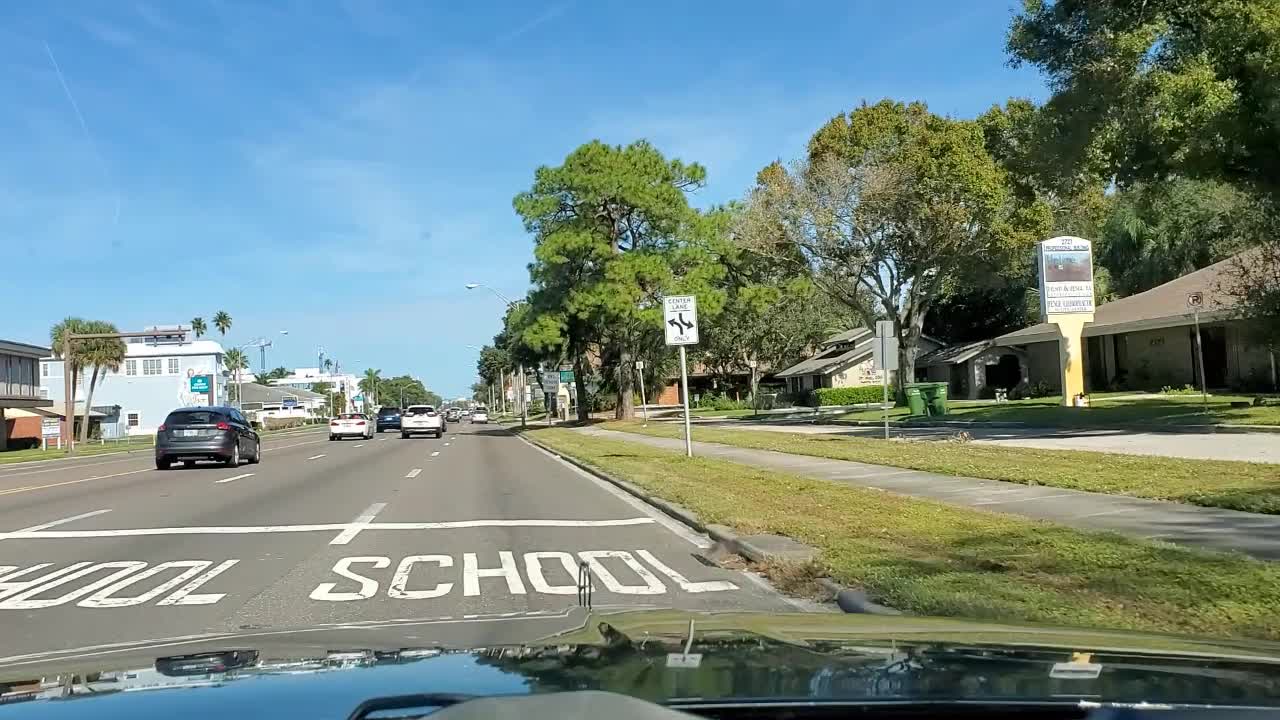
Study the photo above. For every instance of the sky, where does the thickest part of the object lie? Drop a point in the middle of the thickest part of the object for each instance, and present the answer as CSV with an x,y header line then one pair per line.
x,y
341,169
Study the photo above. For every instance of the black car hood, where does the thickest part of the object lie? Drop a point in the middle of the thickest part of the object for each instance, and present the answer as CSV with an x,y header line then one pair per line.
x,y
325,672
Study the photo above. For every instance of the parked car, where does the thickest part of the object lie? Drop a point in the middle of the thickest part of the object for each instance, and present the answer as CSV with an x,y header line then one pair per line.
x,y
351,425
206,433
421,420
388,419
480,416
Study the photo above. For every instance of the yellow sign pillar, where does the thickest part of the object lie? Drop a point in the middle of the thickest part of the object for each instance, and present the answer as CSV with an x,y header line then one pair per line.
x,y
1066,300
1071,353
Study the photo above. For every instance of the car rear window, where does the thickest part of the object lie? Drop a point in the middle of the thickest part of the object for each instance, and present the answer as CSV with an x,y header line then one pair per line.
x,y
389,411
419,410
194,417
351,416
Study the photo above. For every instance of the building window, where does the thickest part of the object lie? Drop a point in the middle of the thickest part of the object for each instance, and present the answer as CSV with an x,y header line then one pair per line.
x,y
151,366
44,369
44,393
173,366
132,420
130,367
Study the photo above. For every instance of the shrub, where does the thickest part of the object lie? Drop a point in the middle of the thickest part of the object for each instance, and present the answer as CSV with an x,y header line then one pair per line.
x,y
1184,390
850,395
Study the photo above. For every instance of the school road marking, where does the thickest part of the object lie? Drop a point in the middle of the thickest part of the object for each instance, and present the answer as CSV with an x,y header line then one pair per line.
x,y
361,522
323,527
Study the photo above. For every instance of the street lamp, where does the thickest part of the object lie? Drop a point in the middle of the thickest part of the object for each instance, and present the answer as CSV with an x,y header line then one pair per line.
x,y
524,410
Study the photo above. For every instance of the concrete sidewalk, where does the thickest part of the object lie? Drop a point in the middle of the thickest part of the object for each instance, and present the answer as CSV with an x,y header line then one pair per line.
x,y
1189,525
1167,442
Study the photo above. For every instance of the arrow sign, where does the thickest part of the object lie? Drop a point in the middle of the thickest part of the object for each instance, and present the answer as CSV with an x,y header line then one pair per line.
x,y
680,319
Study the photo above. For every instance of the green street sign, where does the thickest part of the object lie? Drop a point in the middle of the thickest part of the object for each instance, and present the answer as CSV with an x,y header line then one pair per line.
x,y
566,376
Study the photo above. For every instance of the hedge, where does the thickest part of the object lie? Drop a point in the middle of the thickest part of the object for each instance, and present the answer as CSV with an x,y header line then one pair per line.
x,y
850,395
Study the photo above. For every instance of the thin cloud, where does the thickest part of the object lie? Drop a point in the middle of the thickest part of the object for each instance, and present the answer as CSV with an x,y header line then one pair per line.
x,y
84,127
547,16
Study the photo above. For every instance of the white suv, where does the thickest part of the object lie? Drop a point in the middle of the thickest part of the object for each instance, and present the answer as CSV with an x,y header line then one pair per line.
x,y
421,419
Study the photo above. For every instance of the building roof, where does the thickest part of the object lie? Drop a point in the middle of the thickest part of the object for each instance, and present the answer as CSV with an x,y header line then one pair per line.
x,y
1161,306
954,354
847,336
137,349
832,357
253,392
13,347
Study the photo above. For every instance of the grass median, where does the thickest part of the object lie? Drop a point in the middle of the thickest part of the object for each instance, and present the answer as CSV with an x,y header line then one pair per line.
x,y
929,558
1251,487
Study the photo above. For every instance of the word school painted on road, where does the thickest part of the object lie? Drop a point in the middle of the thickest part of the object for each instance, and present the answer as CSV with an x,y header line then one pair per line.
x,y
130,583
617,571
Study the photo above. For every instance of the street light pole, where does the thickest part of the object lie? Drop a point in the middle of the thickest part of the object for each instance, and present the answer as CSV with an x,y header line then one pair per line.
x,y
524,409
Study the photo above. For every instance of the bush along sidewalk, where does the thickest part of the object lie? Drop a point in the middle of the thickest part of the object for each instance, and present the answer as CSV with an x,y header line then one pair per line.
x,y
929,558
1249,487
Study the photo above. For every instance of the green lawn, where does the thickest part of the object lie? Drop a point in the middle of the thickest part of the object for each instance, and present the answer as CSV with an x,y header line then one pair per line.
x,y
929,558
1253,487
1105,410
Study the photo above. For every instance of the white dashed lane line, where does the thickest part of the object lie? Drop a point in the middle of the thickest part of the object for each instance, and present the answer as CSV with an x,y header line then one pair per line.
x,y
359,445
316,457
437,452
64,521
414,473
233,478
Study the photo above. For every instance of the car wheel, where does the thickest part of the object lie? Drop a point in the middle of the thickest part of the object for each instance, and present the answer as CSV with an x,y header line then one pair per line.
x,y
332,438
381,429
257,454
234,460
162,464
188,463
404,436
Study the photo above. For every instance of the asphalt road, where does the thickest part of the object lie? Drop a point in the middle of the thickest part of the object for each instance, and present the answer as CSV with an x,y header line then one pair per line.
x,y
476,537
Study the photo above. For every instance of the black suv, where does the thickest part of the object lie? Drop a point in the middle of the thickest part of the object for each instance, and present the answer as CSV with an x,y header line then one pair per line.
x,y
206,433
388,419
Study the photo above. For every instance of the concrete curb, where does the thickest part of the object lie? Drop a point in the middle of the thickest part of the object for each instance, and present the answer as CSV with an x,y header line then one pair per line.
x,y
850,600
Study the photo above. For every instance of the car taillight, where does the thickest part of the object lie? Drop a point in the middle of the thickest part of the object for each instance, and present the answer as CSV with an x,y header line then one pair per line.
x,y
359,422
333,422
161,428
223,426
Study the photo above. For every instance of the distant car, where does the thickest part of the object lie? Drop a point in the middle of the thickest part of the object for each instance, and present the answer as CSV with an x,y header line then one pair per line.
x,y
453,415
421,420
388,419
466,413
480,416
356,425
206,433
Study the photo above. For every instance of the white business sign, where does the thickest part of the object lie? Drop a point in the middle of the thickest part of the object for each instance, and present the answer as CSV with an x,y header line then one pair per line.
x,y
680,319
1066,276
884,354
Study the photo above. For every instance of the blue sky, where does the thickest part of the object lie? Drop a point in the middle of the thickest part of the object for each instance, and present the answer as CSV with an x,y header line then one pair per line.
x,y
341,169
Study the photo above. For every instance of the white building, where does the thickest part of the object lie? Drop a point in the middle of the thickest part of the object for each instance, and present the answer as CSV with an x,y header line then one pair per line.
x,y
160,373
306,378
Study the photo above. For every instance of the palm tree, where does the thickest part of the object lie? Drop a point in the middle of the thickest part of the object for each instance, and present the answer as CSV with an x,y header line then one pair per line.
x,y
328,364
198,327
71,364
103,355
222,321
369,385
235,360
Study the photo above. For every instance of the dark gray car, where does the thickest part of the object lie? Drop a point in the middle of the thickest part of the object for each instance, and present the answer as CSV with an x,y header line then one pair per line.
x,y
206,433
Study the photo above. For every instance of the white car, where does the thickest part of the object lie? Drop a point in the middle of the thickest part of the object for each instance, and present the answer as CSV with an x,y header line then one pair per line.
x,y
357,425
421,419
480,416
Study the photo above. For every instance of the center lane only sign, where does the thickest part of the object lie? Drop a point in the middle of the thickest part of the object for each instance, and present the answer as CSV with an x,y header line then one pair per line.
x,y
680,319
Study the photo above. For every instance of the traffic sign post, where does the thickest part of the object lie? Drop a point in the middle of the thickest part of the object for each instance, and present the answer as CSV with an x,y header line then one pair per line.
x,y
1195,301
680,323
644,399
884,356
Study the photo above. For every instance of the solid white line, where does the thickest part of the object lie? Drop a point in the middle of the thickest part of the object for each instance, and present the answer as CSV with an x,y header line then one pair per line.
x,y
690,535
316,457
65,520
71,482
437,452
358,524
414,473
324,527
233,477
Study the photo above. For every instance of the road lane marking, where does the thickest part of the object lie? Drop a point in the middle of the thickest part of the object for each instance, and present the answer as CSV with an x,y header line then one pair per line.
x,y
358,445
29,488
437,452
321,527
234,477
316,457
60,468
446,444
65,520
283,447
414,473
362,520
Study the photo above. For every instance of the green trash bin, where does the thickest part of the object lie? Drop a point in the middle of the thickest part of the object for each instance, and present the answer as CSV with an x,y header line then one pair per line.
x,y
915,400
937,399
